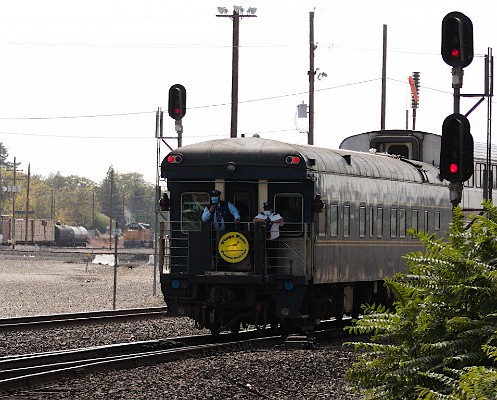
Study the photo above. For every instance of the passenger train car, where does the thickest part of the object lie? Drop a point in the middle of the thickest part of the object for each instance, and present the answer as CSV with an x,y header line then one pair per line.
x,y
332,254
423,146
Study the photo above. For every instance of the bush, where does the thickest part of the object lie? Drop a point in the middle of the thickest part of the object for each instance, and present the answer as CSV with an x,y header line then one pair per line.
x,y
440,341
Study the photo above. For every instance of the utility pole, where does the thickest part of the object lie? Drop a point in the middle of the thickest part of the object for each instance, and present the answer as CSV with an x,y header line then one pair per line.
x,y
111,195
312,72
93,209
27,203
234,75
237,14
13,228
384,78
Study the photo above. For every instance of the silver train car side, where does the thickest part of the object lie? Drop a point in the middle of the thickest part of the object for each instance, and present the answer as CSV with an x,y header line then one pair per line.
x,y
424,146
332,255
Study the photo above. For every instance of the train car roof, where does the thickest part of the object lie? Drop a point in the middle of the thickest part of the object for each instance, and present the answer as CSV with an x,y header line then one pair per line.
x,y
480,149
255,157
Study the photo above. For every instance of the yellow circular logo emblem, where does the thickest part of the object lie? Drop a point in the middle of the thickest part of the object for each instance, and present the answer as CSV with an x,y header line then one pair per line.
x,y
233,247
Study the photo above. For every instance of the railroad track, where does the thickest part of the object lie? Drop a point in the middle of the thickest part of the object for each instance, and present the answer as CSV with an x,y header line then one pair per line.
x,y
83,318
30,370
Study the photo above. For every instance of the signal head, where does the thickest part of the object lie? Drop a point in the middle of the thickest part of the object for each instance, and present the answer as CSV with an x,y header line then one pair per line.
x,y
177,102
457,40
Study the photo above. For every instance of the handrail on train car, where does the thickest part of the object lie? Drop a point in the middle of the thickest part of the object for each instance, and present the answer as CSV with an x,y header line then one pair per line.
x,y
181,250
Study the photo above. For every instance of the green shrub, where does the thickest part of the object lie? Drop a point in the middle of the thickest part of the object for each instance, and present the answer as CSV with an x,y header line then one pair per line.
x,y
440,341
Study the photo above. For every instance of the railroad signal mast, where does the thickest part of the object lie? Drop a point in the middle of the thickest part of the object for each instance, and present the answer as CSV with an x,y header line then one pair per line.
x,y
176,107
456,151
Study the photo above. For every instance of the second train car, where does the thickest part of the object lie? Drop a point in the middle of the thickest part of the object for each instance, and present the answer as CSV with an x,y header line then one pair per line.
x,y
332,254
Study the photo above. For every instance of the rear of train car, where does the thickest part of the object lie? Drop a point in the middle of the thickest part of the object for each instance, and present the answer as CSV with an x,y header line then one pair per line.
x,y
332,254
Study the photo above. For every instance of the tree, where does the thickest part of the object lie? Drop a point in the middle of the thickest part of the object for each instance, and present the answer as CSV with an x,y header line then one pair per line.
x,y
139,197
73,198
3,164
441,341
104,195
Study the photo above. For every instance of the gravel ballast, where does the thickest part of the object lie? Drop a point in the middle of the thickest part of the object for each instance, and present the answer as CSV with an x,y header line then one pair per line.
x,y
35,284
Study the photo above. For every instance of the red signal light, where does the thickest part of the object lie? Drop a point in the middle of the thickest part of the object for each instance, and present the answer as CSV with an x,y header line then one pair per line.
x,y
453,168
455,53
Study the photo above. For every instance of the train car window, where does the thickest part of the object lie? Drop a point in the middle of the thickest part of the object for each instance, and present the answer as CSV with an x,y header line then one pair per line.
x,y
192,207
479,174
399,149
290,207
393,223
494,176
437,220
414,219
346,220
470,182
379,222
362,221
427,228
402,223
333,220
322,222
371,224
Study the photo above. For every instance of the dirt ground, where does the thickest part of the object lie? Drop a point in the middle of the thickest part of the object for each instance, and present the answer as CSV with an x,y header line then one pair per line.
x,y
33,283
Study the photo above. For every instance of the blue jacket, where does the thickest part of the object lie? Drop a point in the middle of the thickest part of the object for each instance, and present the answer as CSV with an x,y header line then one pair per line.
x,y
227,211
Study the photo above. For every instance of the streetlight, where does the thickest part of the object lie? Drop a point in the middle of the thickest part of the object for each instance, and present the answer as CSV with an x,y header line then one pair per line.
x,y
238,12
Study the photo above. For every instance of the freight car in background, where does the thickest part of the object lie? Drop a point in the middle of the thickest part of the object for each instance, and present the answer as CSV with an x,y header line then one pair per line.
x,y
44,232
138,234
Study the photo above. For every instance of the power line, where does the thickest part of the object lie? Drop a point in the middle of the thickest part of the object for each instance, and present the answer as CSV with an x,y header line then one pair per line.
x,y
78,116
190,108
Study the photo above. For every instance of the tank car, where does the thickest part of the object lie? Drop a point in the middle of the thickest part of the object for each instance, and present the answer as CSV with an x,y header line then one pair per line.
x,y
66,235
333,252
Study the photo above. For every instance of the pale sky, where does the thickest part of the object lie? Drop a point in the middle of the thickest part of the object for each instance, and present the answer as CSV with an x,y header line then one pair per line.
x,y
81,81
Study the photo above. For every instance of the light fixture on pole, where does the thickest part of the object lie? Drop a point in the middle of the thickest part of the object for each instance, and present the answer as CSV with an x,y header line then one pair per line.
x,y
238,12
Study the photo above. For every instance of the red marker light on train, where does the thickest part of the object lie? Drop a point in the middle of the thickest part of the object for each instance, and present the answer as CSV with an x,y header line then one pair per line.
x,y
453,168
292,159
174,158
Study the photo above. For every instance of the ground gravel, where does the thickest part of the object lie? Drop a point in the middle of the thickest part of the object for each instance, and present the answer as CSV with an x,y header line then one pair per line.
x,y
38,283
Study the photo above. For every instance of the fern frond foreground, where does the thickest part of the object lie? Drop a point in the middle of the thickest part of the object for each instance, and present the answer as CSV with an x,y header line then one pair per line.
x,y
440,342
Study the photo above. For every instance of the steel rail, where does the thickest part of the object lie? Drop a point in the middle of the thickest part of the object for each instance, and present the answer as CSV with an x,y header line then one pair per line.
x,y
82,318
35,369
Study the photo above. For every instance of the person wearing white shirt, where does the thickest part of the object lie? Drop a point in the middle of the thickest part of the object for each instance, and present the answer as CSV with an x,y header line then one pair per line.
x,y
273,221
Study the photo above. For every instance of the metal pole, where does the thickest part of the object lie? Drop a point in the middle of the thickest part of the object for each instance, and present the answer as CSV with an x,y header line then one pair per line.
x,y
13,228
111,195
489,91
234,76
27,204
115,270
156,208
310,135
93,209
457,79
384,79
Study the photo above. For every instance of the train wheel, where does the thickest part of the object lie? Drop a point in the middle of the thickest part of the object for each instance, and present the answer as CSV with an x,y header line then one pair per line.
x,y
214,322
235,328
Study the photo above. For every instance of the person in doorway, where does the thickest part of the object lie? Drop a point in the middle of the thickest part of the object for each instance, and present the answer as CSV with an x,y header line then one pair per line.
x,y
165,203
273,221
317,204
220,212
